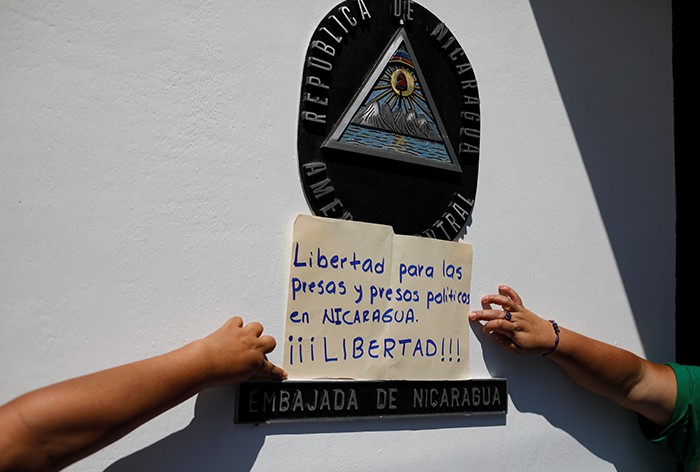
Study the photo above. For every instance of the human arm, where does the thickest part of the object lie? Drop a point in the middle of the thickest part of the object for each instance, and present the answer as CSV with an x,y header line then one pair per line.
x,y
52,427
635,383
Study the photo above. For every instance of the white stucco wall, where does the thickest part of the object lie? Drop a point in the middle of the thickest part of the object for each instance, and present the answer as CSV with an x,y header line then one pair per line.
x,y
148,184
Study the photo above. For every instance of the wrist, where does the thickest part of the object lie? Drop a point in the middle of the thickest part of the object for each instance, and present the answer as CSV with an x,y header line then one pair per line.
x,y
201,363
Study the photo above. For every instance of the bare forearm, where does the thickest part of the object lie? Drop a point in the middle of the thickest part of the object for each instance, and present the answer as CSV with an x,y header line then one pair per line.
x,y
596,366
625,378
635,383
54,426
59,424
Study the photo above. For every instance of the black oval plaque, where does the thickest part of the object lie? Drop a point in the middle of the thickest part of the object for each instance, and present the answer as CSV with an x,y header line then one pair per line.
x,y
389,121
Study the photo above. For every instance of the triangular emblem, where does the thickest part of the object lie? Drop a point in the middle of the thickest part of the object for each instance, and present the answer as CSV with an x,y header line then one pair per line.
x,y
393,114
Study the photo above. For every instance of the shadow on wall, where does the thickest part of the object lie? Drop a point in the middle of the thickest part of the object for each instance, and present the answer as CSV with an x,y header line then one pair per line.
x,y
615,78
208,443
213,442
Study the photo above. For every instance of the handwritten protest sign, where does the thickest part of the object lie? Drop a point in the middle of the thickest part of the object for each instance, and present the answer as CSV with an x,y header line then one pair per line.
x,y
365,303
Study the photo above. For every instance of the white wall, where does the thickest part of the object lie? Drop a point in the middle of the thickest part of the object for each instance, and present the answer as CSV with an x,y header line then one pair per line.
x,y
148,184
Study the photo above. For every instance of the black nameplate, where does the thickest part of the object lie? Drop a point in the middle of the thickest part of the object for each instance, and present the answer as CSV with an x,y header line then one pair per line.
x,y
266,401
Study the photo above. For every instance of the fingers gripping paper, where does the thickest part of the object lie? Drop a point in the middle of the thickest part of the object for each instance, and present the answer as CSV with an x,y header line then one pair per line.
x,y
365,303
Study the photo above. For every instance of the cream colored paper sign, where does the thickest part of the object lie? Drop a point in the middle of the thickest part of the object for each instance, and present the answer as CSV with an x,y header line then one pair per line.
x,y
365,303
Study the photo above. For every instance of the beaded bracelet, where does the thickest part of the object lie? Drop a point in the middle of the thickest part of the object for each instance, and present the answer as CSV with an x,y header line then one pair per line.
x,y
556,340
